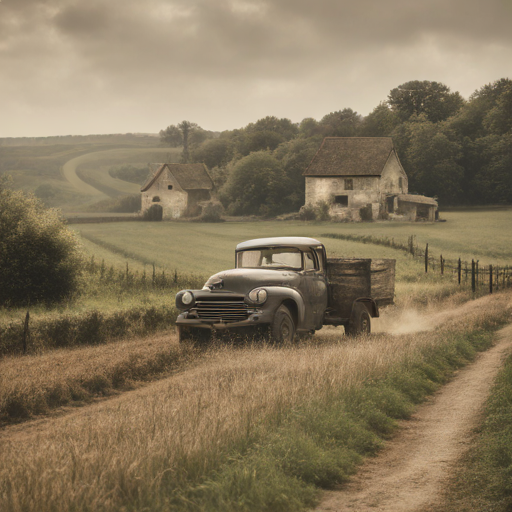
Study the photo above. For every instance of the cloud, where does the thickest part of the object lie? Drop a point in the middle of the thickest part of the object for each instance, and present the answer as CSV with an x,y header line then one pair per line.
x,y
227,61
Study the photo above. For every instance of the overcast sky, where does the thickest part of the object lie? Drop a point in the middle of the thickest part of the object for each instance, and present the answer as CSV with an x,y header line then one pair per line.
x,y
117,66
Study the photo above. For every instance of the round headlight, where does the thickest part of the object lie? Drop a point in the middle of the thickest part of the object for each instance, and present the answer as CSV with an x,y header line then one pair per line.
x,y
258,295
187,298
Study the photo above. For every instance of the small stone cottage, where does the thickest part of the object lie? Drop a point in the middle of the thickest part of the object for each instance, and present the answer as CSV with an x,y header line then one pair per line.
x,y
361,178
178,189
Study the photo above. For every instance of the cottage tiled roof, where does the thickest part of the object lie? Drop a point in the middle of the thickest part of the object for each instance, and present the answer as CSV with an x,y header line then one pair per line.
x,y
413,198
189,176
351,156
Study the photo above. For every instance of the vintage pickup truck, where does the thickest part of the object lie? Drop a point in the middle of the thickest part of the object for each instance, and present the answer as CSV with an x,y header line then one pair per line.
x,y
285,286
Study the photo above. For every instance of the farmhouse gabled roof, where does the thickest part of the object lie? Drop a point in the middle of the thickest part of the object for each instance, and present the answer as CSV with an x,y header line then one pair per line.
x,y
189,176
351,156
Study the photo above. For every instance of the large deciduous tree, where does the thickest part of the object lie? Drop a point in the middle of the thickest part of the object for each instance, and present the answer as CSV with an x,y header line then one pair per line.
x,y
432,99
182,135
343,123
380,122
432,157
256,186
214,152
487,111
171,136
295,157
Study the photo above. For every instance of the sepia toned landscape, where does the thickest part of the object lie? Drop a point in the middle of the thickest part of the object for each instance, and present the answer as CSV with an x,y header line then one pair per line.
x,y
255,256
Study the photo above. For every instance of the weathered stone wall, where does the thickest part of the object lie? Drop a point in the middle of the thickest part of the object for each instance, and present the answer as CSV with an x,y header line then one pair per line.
x,y
173,201
391,174
365,190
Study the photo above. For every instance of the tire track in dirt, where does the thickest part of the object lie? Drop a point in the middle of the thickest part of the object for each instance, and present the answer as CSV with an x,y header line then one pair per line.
x,y
408,475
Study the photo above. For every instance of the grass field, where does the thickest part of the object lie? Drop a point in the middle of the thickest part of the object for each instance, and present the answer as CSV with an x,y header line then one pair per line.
x,y
237,428
258,428
479,235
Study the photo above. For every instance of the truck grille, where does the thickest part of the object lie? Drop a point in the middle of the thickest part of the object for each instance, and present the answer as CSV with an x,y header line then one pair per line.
x,y
233,310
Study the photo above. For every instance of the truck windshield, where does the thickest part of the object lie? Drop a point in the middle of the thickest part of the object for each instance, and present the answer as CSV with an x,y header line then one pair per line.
x,y
271,257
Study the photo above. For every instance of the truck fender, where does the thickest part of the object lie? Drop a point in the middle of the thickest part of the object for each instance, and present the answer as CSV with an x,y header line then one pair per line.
x,y
278,295
370,305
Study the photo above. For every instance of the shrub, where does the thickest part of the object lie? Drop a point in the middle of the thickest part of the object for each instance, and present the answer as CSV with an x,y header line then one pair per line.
x,y
322,210
212,212
40,259
319,211
307,212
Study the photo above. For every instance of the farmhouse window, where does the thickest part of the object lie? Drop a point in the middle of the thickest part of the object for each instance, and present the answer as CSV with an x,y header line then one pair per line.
x,y
341,200
349,184
169,187
400,183
156,199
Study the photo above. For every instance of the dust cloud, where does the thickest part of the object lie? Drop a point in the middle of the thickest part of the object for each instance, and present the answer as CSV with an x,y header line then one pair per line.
x,y
410,320
404,322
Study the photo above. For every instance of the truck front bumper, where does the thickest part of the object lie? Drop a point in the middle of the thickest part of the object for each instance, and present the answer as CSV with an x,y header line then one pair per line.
x,y
257,317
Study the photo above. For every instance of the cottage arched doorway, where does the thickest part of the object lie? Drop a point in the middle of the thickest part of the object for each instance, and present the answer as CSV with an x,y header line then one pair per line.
x,y
155,212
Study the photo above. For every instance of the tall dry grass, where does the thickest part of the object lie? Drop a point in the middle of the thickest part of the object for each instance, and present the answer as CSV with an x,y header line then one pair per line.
x,y
35,384
144,450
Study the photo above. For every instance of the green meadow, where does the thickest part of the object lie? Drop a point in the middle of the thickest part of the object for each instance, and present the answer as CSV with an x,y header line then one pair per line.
x,y
242,428
208,248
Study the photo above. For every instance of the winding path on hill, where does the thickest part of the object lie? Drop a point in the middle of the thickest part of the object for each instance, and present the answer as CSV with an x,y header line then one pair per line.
x,y
69,168
408,475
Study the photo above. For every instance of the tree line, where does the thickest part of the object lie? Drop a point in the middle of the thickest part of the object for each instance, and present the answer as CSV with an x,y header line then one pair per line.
x,y
457,150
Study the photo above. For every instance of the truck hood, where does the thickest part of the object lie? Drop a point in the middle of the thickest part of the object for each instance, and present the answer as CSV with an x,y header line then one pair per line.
x,y
243,280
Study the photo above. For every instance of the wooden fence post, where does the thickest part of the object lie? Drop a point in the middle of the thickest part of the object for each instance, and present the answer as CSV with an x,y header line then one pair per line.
x,y
442,265
473,276
426,259
490,278
26,332
459,270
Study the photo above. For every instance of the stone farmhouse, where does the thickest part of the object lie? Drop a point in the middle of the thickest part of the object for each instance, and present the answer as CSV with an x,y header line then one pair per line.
x,y
179,189
361,178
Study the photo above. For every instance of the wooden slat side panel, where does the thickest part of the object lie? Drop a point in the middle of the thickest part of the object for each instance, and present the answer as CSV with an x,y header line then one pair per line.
x,y
349,279
383,281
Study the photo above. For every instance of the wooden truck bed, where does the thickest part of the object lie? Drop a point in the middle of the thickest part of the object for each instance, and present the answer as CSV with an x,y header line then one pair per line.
x,y
354,278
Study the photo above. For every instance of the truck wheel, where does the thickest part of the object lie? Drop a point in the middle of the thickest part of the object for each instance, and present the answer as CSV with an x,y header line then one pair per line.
x,y
360,322
282,329
190,335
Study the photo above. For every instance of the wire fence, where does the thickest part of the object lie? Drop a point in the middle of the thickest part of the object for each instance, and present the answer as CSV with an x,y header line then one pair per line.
x,y
492,277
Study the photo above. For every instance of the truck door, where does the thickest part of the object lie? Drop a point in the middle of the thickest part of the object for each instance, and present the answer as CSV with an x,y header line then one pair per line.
x,y
316,285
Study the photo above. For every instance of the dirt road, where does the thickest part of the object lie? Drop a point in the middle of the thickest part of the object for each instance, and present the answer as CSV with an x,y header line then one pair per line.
x,y
409,474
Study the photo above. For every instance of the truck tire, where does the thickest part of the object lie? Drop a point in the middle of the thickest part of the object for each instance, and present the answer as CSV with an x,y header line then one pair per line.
x,y
197,337
282,329
360,321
